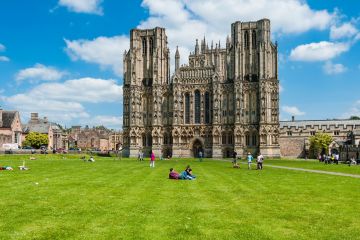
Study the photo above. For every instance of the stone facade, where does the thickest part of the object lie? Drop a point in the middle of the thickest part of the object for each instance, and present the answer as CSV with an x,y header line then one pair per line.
x,y
10,128
56,136
294,135
224,100
96,138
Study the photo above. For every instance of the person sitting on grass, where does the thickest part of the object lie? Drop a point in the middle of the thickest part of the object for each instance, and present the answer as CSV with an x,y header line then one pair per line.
x,y
8,168
187,174
91,159
173,174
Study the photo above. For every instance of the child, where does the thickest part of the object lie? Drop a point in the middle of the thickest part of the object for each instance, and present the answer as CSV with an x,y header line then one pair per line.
x,y
152,159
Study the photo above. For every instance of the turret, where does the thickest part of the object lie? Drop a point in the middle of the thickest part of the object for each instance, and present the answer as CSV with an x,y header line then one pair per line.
x,y
197,47
177,59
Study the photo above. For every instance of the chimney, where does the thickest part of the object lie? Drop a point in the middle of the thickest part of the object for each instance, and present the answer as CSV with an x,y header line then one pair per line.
x,y
45,120
34,117
293,118
1,121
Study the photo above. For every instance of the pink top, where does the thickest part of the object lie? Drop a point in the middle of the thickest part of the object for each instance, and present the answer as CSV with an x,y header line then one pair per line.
x,y
152,157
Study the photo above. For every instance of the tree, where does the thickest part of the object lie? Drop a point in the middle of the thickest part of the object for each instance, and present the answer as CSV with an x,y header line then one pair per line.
x,y
319,144
354,118
35,140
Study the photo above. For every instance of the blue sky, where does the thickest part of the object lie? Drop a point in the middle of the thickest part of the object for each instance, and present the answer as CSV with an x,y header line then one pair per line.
x,y
63,58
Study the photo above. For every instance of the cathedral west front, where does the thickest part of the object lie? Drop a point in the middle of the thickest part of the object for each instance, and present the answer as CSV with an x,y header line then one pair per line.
x,y
225,99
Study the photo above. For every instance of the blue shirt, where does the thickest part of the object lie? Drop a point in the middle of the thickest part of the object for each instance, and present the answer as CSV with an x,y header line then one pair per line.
x,y
250,158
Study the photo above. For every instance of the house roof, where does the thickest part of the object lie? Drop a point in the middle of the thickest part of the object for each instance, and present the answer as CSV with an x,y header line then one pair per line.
x,y
8,118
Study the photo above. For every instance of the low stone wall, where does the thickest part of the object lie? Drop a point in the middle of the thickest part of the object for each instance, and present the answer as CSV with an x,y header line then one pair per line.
x,y
292,147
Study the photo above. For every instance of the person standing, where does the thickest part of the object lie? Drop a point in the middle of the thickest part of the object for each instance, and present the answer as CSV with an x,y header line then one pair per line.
x,y
259,161
200,156
234,157
152,159
249,159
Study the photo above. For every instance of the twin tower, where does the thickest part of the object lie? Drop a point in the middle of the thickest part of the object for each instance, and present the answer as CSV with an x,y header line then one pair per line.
x,y
225,99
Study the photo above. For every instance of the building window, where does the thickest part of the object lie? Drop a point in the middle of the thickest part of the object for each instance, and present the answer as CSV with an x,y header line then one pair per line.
x,y
254,140
187,108
336,133
246,40
151,46
197,106
247,140
289,133
253,39
312,133
223,139
207,107
144,46
230,139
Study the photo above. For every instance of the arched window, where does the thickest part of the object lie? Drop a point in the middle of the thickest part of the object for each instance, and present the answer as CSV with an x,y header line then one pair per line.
x,y
144,140
151,46
197,106
253,39
254,139
149,140
207,107
144,46
247,139
246,40
187,108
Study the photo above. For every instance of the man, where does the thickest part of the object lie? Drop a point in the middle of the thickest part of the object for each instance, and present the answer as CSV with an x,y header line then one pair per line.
x,y
259,161
200,156
234,157
249,159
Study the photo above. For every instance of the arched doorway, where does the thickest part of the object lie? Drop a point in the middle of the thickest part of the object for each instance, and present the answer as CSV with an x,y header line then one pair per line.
x,y
197,147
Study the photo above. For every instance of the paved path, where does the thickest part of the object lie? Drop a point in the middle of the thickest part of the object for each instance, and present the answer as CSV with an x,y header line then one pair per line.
x,y
306,170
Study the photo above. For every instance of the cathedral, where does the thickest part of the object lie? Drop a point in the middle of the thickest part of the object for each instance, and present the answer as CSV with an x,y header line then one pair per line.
x,y
225,99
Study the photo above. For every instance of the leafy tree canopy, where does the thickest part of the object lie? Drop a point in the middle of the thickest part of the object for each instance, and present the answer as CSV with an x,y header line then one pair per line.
x,y
36,140
319,143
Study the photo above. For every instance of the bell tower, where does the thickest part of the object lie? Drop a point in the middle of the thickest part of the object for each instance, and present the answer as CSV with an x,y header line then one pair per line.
x,y
146,72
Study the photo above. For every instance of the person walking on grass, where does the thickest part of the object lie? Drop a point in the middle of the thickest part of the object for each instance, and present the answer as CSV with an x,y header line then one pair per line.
x,y
152,159
259,161
249,159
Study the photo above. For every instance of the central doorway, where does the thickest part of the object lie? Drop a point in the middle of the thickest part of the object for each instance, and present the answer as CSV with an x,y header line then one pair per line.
x,y
197,147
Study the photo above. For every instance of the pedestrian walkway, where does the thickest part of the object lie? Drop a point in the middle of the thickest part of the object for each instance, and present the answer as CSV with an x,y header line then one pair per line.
x,y
305,170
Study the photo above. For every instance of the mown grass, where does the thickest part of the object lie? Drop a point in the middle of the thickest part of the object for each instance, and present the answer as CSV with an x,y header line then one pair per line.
x,y
316,165
62,197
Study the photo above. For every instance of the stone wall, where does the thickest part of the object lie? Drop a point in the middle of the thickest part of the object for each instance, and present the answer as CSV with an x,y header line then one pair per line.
x,y
292,147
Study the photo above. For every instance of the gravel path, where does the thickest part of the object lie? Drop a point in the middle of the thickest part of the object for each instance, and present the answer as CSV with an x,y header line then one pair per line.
x,y
306,170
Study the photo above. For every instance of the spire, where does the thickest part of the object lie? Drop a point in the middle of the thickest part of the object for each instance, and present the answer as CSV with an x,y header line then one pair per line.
x,y
219,45
212,45
203,45
197,47
177,59
227,42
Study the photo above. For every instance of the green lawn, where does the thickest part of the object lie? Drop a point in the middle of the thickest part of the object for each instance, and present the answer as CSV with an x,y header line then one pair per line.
x,y
125,199
316,165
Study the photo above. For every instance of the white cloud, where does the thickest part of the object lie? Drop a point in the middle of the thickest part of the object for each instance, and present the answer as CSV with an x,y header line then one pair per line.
x,y
331,68
353,111
187,20
2,47
83,6
346,30
39,73
105,51
4,59
281,88
320,51
292,110
64,101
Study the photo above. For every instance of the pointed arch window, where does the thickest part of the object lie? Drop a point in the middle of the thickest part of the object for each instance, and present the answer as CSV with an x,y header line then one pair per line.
x,y
151,46
246,39
197,106
187,108
144,46
253,36
207,107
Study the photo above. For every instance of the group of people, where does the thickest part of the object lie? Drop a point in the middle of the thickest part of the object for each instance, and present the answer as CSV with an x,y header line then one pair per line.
x,y
328,159
249,158
184,175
